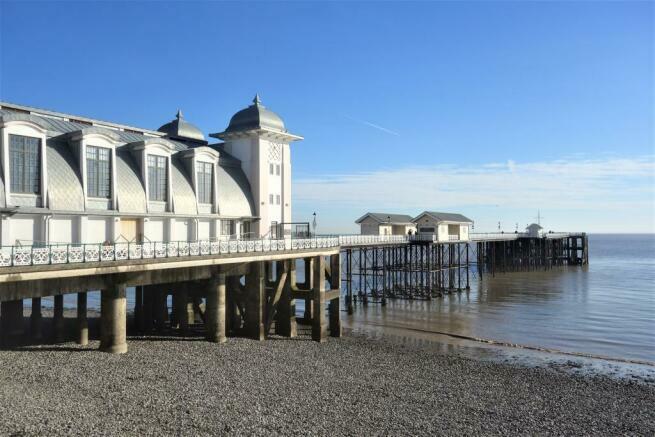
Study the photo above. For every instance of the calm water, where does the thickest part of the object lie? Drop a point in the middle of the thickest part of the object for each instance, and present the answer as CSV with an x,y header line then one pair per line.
x,y
606,308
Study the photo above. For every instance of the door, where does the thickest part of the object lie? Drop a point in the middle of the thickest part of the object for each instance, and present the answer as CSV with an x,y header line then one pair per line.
x,y
129,230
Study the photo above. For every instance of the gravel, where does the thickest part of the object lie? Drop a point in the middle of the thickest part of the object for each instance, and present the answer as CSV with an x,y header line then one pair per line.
x,y
347,386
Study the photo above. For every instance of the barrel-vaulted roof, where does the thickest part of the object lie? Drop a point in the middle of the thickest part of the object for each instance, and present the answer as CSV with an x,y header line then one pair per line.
x,y
64,177
64,182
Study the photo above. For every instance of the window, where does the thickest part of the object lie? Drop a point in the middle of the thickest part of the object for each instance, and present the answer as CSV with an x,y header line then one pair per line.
x,y
204,181
98,172
157,178
227,227
270,168
25,164
270,199
277,169
277,199
245,230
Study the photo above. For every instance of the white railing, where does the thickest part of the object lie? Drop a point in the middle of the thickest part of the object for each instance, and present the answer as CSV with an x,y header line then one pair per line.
x,y
487,236
85,253
361,240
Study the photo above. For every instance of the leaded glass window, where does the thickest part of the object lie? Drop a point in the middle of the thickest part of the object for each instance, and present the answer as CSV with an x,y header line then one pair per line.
x,y
98,172
204,180
227,227
25,164
157,178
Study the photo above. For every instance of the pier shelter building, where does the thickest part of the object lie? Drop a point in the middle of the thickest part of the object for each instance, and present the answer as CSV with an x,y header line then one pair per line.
x,y
444,226
378,223
535,230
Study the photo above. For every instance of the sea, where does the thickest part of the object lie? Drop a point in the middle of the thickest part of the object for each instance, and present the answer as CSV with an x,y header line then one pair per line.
x,y
604,310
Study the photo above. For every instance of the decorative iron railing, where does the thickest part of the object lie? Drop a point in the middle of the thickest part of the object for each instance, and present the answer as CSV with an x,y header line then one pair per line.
x,y
360,240
81,253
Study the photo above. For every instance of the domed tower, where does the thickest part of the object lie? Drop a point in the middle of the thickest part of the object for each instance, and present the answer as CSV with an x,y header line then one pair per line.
x,y
257,136
183,131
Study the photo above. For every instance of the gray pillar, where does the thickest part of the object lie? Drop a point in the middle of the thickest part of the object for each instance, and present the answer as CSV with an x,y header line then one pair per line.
x,y
254,304
319,324
233,314
82,322
285,323
58,319
309,285
335,303
36,325
113,329
215,309
11,322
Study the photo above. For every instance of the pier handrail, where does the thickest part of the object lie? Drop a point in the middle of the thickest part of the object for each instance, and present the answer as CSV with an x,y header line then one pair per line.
x,y
11,256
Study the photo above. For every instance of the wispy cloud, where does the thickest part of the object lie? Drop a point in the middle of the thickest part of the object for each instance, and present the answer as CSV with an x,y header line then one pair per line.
x,y
595,186
373,125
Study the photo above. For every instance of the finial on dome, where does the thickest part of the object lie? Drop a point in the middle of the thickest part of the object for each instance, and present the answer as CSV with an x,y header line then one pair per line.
x,y
257,100
179,114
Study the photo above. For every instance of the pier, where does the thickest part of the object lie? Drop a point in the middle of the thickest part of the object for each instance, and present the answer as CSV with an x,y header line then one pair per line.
x,y
377,268
249,287
245,288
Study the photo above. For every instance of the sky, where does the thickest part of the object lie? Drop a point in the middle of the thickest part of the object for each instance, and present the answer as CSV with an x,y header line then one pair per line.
x,y
496,110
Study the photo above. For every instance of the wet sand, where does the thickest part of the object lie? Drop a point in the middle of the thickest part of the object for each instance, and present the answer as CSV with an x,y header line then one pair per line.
x,y
354,385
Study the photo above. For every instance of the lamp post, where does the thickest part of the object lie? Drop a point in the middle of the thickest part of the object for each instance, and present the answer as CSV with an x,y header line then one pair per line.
x,y
314,223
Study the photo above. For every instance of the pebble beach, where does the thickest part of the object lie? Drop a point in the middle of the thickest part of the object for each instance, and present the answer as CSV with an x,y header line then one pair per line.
x,y
348,386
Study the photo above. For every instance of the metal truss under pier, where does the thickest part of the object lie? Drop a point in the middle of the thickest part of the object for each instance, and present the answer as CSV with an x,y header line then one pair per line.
x,y
426,269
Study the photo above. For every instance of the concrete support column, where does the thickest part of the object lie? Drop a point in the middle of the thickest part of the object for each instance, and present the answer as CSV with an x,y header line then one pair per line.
x,y
285,323
255,300
11,322
309,285
58,319
319,324
215,309
139,324
82,322
335,303
113,313
36,319
233,314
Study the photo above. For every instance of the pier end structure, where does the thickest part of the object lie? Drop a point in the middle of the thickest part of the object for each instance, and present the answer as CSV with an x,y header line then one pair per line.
x,y
378,268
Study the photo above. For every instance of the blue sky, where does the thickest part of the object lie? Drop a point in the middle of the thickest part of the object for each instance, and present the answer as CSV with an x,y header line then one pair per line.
x,y
492,109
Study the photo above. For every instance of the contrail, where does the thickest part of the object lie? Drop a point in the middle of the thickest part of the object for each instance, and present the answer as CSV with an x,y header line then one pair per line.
x,y
373,125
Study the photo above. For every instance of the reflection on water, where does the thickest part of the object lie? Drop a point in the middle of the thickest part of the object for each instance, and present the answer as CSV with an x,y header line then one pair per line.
x,y
605,309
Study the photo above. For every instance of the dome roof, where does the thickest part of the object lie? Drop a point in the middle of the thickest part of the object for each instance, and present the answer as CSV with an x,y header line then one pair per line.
x,y
181,129
255,116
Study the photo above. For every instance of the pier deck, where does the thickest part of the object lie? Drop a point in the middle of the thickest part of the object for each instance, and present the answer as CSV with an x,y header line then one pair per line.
x,y
249,287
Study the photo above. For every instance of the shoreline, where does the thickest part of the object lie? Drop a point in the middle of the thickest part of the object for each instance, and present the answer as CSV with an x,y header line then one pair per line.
x,y
575,363
353,385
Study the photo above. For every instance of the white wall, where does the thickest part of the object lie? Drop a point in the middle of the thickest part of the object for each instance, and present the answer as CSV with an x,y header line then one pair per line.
x,y
464,232
204,229
182,230
26,228
63,230
98,230
154,230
